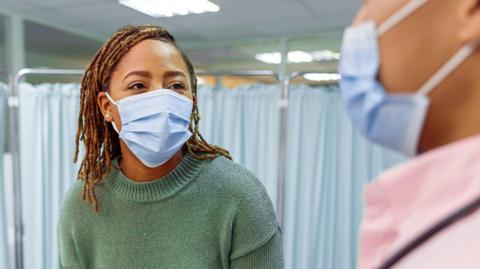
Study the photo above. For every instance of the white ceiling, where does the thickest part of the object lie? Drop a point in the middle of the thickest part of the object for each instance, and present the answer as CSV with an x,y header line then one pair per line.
x,y
209,38
237,19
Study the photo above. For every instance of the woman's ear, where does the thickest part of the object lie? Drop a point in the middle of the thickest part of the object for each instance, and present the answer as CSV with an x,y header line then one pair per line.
x,y
105,106
469,12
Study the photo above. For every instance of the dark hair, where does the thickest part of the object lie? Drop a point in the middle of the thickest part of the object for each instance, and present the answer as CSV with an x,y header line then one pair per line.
x,y
101,142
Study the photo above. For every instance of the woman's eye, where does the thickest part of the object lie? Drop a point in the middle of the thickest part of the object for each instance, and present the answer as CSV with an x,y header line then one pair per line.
x,y
177,86
137,86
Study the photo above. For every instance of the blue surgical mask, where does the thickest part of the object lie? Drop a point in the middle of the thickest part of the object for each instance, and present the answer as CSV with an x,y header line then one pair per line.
x,y
154,124
394,121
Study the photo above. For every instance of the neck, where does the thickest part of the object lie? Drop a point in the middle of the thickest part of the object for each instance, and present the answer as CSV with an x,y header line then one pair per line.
x,y
134,169
454,108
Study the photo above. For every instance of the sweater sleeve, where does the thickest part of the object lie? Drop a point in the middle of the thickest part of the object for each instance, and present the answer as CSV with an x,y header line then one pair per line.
x,y
256,238
68,257
268,256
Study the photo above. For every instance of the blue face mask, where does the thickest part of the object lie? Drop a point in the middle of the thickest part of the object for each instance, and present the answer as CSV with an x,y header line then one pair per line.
x,y
154,124
394,121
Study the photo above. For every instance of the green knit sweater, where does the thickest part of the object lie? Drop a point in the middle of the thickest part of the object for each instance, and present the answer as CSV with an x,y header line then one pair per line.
x,y
204,214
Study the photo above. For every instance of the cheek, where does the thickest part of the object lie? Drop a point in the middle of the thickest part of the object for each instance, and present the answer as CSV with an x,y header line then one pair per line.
x,y
116,117
189,95
413,50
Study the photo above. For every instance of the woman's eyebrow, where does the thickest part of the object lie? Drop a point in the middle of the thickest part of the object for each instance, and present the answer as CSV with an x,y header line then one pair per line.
x,y
174,74
138,73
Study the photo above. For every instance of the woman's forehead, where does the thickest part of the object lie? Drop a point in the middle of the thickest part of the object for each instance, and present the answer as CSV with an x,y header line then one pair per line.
x,y
153,54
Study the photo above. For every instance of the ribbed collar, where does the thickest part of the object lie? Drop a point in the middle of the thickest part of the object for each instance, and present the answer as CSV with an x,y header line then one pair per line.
x,y
157,189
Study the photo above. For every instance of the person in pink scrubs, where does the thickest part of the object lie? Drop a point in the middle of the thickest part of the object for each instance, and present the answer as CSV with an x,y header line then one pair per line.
x,y
410,80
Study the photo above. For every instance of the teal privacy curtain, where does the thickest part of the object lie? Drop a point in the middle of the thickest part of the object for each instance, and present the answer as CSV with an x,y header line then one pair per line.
x,y
4,250
328,165
245,122
48,118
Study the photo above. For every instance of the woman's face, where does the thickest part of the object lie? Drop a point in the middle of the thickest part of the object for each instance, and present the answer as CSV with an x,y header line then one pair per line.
x,y
149,65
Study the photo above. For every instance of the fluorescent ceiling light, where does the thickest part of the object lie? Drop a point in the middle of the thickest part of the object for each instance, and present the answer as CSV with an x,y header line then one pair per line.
x,y
298,56
322,76
269,58
325,55
276,57
201,81
169,8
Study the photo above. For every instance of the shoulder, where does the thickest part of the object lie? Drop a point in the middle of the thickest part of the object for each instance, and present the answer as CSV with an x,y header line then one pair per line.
x,y
253,216
234,179
73,196
73,207
72,201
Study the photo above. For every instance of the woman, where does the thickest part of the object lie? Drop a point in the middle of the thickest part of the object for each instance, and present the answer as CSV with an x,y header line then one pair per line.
x,y
162,196
410,82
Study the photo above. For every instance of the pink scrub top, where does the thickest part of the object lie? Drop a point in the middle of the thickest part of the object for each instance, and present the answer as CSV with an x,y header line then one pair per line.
x,y
409,199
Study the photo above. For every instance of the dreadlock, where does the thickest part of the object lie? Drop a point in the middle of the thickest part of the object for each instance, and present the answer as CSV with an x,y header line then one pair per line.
x,y
101,142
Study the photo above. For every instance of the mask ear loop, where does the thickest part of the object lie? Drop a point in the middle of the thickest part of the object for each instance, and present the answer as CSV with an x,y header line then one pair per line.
x,y
110,99
452,63
448,68
400,15
113,102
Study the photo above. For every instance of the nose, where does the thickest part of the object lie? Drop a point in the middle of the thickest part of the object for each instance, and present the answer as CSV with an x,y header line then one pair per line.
x,y
158,84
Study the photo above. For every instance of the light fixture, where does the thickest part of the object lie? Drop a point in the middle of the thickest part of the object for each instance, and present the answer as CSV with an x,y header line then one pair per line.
x,y
298,56
269,57
201,81
168,8
322,76
325,55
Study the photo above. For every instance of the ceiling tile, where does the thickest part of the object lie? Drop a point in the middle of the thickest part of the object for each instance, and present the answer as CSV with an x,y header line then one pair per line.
x,y
44,39
260,13
235,4
334,13
101,13
17,5
53,4
212,55
291,27
241,32
237,19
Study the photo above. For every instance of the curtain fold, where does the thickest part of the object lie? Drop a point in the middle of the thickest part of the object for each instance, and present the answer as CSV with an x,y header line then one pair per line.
x,y
4,246
245,122
48,118
328,164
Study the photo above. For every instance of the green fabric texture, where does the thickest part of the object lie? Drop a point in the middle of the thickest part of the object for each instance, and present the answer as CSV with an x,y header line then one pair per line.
x,y
204,214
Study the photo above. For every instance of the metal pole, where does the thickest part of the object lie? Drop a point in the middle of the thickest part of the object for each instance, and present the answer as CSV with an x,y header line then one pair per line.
x,y
282,150
15,141
282,143
15,43
17,191
15,61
